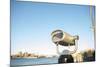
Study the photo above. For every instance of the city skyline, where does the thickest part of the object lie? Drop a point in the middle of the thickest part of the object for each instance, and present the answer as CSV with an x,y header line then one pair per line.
x,y
32,24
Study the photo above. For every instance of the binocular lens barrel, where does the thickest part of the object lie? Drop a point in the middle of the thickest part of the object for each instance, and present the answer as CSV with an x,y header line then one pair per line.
x,y
63,38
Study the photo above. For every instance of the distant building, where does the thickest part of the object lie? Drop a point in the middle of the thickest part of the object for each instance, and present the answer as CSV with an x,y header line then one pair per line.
x,y
25,54
20,54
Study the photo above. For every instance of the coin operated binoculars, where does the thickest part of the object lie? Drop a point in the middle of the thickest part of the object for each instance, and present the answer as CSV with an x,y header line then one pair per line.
x,y
62,38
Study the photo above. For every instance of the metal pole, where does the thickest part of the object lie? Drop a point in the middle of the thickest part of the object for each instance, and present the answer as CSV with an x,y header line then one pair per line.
x,y
93,23
57,48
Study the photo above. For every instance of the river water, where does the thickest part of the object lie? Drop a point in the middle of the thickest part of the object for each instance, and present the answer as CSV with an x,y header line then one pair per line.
x,y
33,61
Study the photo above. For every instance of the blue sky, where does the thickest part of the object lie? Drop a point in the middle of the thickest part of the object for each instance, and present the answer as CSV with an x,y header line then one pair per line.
x,y
32,24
